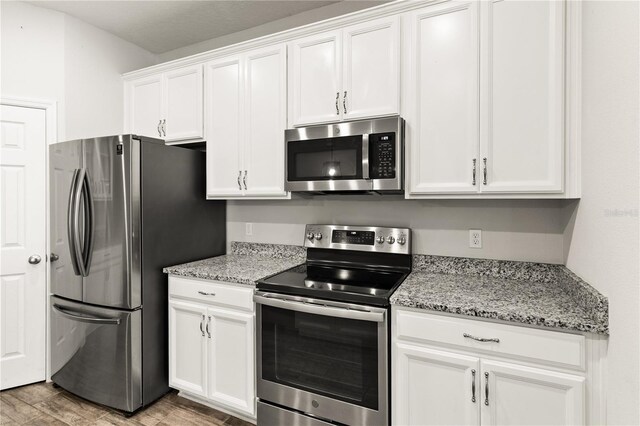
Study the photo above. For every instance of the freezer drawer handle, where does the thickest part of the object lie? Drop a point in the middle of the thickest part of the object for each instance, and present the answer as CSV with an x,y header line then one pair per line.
x,y
83,318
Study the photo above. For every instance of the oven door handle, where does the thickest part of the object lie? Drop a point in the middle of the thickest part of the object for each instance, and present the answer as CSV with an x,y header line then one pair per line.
x,y
318,309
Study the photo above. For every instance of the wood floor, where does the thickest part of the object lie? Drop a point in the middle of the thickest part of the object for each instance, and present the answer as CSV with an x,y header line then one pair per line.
x,y
42,404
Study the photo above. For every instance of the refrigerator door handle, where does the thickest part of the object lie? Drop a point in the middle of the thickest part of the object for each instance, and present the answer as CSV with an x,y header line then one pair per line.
x,y
71,221
89,224
85,318
77,247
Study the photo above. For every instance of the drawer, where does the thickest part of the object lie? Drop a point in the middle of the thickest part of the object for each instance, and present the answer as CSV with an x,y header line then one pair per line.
x,y
212,292
551,347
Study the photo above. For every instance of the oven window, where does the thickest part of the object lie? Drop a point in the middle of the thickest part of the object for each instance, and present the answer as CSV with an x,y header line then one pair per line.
x,y
325,159
333,357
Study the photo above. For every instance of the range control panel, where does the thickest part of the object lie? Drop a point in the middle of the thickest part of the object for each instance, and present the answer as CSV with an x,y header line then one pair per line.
x,y
360,238
382,155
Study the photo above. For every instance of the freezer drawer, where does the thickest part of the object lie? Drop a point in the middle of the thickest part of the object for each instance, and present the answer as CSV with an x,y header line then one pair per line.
x,y
96,353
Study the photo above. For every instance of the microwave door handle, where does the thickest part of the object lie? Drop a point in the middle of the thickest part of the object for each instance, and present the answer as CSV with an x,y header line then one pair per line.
x,y
312,308
365,156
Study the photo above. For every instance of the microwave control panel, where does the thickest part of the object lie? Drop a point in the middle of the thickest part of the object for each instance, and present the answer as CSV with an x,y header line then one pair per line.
x,y
382,156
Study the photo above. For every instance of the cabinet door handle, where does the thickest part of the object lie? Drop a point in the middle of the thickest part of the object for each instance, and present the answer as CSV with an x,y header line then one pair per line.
x,y
486,388
344,102
473,180
164,127
201,325
473,385
208,322
239,175
159,131
244,180
481,339
484,171
337,99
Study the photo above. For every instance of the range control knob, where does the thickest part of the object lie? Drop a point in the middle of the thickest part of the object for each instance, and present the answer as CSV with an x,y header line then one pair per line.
x,y
391,240
402,241
319,236
310,236
380,239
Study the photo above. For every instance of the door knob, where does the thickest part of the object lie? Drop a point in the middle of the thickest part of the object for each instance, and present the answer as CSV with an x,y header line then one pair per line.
x,y
34,259
54,257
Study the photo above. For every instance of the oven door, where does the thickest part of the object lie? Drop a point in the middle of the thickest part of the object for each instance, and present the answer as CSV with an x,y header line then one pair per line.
x,y
326,359
328,164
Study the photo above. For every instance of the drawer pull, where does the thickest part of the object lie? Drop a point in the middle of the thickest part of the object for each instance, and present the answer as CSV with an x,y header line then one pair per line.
x,y
481,339
204,293
473,385
486,388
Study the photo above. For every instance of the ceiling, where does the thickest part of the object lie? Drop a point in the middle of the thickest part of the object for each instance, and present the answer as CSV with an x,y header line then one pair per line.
x,y
161,26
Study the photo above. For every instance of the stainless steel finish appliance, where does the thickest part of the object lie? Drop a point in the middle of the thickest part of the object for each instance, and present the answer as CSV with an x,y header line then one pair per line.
x,y
361,156
323,328
122,208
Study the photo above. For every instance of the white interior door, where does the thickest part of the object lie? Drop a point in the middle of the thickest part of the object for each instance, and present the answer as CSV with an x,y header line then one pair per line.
x,y
314,79
265,121
22,245
442,93
371,69
522,102
183,103
223,106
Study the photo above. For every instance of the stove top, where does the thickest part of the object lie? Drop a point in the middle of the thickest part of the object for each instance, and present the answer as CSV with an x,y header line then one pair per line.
x,y
354,264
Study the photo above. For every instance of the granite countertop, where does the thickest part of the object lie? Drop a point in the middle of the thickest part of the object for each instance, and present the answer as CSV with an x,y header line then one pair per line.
x,y
519,292
246,264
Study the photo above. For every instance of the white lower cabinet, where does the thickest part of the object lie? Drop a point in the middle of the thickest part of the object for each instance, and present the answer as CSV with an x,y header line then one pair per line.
x,y
436,381
211,343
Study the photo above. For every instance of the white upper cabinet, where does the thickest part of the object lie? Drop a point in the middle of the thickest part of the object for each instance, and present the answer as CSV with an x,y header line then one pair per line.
x,y
144,106
522,102
314,78
345,74
245,104
223,103
166,105
441,68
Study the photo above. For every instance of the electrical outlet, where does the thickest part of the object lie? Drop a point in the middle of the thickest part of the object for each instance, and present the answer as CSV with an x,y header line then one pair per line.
x,y
248,229
475,238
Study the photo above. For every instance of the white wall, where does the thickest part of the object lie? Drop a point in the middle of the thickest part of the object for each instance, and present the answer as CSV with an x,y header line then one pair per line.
x,y
52,56
602,237
512,229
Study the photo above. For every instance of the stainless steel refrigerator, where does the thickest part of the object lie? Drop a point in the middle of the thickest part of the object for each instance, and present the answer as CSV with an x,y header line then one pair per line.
x,y
122,208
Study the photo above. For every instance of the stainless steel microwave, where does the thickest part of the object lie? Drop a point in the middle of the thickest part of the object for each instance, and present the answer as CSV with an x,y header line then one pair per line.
x,y
358,156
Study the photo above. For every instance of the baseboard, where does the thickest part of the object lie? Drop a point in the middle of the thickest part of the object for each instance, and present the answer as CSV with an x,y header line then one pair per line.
x,y
218,407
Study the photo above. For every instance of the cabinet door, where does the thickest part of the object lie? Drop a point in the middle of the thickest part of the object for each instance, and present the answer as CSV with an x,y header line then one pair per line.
x,y
522,69
145,106
265,121
434,388
183,104
314,79
371,69
231,359
441,89
187,347
517,395
223,106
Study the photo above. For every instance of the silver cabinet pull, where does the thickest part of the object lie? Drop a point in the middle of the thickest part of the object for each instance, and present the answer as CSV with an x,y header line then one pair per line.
x,y
54,257
337,99
344,102
244,180
159,124
34,259
473,180
164,126
481,339
208,322
239,175
486,388
204,293
484,171
201,322
473,385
